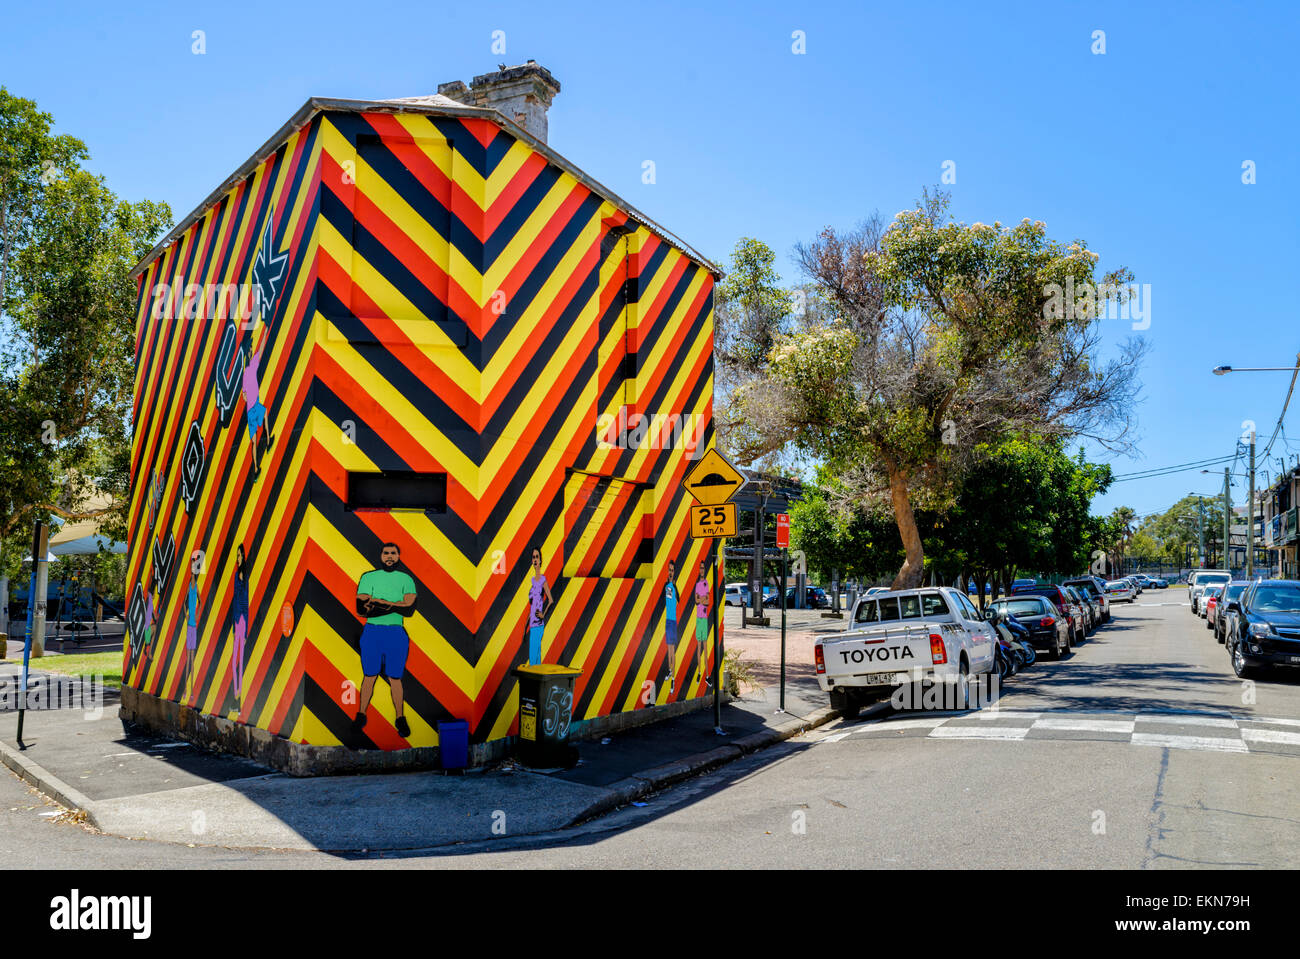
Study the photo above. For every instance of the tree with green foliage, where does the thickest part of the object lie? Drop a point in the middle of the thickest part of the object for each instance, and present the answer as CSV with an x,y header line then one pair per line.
x,y
1025,506
933,343
67,330
858,543
1180,527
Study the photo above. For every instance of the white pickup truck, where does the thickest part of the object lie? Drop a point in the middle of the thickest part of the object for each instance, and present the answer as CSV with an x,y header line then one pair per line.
x,y
893,638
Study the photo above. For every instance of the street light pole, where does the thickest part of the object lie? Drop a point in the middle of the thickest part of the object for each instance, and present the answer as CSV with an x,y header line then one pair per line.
x,y
1227,521
1200,531
1250,513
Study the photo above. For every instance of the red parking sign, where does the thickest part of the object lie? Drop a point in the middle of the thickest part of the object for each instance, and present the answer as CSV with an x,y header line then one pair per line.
x,y
782,530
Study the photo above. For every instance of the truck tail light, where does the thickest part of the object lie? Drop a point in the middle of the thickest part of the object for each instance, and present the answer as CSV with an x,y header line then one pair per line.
x,y
821,659
1047,621
938,651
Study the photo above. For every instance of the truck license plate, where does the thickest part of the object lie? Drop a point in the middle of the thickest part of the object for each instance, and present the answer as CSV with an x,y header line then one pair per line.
x,y
1295,659
882,678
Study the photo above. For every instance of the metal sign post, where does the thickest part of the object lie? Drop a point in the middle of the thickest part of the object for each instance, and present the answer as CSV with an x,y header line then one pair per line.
x,y
712,482
35,615
717,645
785,566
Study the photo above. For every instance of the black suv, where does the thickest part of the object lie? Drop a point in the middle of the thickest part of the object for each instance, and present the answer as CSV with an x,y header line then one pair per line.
x,y
1266,629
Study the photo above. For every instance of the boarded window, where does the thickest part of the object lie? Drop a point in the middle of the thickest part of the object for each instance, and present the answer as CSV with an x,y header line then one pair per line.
x,y
604,528
398,490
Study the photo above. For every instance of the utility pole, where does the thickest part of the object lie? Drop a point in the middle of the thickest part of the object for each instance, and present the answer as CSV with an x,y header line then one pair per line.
x,y
1250,513
1227,521
1200,531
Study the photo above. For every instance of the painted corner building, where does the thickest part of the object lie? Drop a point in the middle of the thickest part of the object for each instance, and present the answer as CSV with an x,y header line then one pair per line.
x,y
414,399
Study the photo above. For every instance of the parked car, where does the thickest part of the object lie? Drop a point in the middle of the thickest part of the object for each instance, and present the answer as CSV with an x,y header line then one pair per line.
x,y
1119,591
1095,587
1047,629
932,635
1201,578
1065,607
1266,631
1223,616
737,594
1136,584
1085,607
1093,601
814,598
1024,582
1208,600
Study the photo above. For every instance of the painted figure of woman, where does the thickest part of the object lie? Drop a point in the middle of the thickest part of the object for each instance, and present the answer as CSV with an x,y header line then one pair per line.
x,y
240,613
702,595
539,602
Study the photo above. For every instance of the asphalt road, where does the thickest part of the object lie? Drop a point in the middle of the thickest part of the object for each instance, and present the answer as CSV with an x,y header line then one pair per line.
x,y
1141,751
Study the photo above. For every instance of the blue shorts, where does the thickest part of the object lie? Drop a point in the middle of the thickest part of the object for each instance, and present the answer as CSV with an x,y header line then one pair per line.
x,y
386,647
670,630
256,417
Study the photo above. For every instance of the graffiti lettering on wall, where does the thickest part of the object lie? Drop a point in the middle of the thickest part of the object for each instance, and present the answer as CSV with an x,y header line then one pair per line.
x,y
237,372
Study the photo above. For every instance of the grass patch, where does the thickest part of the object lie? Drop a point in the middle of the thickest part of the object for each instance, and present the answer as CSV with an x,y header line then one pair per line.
x,y
107,664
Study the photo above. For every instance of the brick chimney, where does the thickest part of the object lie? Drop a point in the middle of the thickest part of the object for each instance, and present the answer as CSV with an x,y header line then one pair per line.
x,y
522,94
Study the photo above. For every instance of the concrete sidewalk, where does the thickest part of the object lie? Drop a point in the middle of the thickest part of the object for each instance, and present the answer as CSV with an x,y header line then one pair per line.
x,y
152,788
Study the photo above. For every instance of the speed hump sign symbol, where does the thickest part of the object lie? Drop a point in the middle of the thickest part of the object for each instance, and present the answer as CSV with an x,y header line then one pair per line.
x,y
713,481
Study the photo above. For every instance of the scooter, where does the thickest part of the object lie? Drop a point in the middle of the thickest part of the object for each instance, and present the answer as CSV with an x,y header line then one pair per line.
x,y
1020,637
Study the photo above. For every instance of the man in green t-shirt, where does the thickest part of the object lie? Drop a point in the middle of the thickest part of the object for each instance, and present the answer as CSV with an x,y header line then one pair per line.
x,y
384,597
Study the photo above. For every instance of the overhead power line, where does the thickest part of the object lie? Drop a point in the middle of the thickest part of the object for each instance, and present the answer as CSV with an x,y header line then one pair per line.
x,y
1170,470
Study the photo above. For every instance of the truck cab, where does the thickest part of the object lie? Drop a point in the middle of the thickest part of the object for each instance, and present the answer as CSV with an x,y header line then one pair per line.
x,y
928,635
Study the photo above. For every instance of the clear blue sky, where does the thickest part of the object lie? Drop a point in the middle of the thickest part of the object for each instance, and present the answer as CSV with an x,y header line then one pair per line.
x,y
1139,151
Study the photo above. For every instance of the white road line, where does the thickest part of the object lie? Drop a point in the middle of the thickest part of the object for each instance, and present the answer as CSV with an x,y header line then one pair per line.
x,y
1178,719
1085,725
1270,722
1004,714
927,723
834,738
1215,743
1270,736
979,732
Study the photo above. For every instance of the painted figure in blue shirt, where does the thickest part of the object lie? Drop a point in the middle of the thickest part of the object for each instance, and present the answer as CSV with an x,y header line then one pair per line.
x,y
670,625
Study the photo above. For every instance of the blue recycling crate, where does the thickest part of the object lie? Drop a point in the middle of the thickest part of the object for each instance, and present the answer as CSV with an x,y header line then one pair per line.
x,y
453,743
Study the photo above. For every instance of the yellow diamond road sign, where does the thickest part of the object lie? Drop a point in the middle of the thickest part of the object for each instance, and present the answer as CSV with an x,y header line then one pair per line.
x,y
713,481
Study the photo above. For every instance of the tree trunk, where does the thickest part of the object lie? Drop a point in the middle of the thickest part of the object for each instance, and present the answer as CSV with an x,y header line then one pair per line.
x,y
909,577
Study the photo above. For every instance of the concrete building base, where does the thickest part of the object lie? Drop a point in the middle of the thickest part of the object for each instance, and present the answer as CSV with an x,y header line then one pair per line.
x,y
144,712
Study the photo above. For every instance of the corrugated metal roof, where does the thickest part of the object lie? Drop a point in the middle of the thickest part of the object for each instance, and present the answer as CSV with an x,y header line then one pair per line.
x,y
434,105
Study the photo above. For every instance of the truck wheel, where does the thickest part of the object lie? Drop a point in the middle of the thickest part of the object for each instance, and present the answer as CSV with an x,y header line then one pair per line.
x,y
844,704
963,687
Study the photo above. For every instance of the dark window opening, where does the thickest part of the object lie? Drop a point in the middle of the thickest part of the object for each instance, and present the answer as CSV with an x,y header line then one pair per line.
x,y
398,489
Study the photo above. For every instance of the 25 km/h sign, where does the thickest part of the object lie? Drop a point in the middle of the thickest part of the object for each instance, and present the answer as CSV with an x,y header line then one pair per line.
x,y
708,522
712,482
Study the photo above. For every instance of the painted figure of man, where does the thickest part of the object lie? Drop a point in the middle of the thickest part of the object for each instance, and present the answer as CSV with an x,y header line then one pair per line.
x,y
240,614
539,602
192,622
255,411
670,625
384,596
702,597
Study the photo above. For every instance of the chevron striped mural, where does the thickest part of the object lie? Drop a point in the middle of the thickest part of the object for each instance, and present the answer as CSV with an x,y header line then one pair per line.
x,y
426,295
